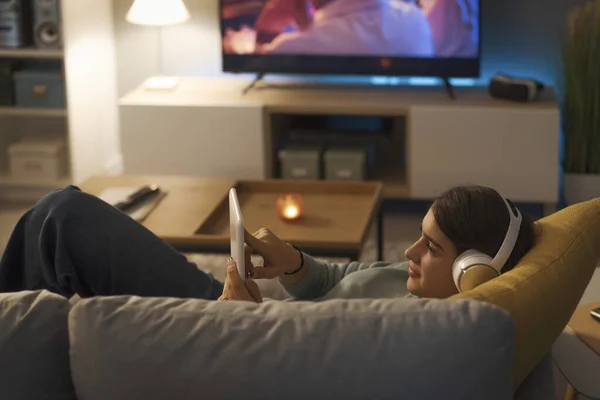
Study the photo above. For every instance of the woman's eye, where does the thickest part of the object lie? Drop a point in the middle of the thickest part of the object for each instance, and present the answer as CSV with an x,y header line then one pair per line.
x,y
429,245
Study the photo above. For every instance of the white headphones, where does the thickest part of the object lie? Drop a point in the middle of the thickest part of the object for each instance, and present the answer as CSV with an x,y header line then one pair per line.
x,y
472,259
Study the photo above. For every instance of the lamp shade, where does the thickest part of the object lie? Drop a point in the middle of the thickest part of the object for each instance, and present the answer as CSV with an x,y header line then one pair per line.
x,y
157,12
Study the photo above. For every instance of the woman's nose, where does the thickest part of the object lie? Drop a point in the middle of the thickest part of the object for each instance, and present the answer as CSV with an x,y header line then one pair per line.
x,y
411,254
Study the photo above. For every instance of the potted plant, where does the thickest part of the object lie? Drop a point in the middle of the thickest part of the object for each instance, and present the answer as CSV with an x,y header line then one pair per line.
x,y
581,116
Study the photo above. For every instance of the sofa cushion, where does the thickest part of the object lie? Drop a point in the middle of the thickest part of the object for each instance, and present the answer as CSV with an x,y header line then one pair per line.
x,y
543,290
151,348
34,347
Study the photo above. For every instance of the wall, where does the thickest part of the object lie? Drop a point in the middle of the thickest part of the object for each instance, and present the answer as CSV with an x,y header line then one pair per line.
x,y
519,37
192,48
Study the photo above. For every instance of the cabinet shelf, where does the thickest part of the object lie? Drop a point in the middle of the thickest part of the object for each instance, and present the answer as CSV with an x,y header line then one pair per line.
x,y
31,53
32,112
8,181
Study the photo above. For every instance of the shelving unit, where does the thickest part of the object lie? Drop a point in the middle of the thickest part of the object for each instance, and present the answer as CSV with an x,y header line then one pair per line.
x,y
22,123
388,144
89,122
9,181
33,112
31,53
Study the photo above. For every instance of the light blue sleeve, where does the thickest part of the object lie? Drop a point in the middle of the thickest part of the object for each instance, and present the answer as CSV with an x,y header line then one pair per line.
x,y
322,276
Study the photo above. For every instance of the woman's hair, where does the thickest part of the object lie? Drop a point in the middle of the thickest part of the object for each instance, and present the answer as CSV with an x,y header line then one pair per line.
x,y
475,217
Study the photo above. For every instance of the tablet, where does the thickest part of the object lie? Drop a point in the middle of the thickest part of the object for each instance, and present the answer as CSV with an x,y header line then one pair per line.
x,y
236,230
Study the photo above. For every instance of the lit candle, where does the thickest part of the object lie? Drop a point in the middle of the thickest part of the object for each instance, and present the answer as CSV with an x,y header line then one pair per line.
x,y
289,206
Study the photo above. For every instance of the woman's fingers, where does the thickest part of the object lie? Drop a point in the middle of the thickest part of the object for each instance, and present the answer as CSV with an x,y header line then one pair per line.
x,y
236,289
257,246
233,277
254,290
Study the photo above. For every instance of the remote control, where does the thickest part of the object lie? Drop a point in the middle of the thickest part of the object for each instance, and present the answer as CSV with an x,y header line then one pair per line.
x,y
138,197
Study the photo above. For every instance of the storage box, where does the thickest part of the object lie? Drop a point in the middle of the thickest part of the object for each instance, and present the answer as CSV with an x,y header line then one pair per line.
x,y
300,163
345,164
38,160
374,143
40,89
7,87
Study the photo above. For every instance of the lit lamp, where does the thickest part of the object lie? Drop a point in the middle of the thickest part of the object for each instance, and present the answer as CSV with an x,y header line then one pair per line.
x,y
289,206
158,13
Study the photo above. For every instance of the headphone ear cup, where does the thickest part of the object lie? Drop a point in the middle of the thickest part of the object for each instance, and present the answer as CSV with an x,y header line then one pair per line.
x,y
471,269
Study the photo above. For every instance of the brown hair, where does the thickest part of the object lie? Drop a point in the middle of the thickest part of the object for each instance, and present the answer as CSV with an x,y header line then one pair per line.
x,y
475,217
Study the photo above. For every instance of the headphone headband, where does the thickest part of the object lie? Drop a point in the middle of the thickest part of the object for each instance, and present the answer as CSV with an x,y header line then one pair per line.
x,y
510,239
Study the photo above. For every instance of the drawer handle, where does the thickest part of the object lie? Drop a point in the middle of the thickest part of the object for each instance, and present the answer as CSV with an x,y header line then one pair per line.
x,y
33,166
39,91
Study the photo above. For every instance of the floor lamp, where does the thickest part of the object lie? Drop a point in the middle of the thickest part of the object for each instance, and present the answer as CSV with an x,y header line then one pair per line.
x,y
158,13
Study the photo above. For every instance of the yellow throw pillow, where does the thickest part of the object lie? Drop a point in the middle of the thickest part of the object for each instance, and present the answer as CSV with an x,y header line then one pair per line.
x,y
543,290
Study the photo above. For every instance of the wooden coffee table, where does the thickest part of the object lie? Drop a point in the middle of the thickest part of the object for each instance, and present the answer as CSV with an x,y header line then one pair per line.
x,y
194,217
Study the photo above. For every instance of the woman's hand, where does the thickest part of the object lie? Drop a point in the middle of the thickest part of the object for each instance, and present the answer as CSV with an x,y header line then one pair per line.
x,y
235,289
279,257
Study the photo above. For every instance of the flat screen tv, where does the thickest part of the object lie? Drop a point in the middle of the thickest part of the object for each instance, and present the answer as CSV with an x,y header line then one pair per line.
x,y
361,37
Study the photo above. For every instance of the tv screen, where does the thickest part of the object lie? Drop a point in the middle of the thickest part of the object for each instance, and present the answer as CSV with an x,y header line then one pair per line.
x,y
362,37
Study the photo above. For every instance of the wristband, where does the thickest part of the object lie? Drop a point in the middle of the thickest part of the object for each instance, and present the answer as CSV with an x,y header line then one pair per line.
x,y
301,262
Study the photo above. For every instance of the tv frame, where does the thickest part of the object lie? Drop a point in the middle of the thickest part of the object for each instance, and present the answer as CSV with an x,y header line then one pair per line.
x,y
351,65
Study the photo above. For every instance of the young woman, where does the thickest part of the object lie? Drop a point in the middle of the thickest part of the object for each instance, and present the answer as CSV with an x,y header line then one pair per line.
x,y
461,219
72,242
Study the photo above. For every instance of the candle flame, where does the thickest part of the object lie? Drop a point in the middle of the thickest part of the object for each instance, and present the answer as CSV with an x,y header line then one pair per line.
x,y
291,211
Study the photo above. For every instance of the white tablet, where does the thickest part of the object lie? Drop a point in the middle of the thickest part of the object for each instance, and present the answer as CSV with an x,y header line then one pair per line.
x,y
236,230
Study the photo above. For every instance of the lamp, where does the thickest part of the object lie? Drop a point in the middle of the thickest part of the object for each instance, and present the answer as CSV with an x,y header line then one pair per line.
x,y
158,13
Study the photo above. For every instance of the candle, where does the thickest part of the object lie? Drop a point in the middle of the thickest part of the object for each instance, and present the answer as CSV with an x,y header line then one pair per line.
x,y
289,206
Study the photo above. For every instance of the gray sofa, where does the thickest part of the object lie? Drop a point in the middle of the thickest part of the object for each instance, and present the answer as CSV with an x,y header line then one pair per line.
x,y
159,348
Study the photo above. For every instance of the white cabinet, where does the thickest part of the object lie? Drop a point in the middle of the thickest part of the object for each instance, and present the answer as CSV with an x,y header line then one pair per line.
x,y
203,127
512,149
206,127
210,141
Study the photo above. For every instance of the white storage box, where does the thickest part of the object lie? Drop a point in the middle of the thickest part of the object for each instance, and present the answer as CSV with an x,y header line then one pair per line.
x,y
38,160
345,164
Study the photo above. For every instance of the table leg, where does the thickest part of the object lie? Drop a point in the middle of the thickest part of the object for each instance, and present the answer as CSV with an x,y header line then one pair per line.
x,y
572,393
380,238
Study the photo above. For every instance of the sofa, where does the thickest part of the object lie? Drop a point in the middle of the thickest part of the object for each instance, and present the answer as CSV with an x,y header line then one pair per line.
x,y
492,342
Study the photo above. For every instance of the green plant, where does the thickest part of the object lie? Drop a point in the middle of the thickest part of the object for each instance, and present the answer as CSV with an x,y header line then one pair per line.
x,y
582,90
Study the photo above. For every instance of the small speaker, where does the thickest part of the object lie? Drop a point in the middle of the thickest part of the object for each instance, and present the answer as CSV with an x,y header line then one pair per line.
x,y
46,24
15,23
514,89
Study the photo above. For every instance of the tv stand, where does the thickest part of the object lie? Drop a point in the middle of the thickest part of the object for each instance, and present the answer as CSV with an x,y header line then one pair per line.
x,y
424,142
258,78
449,88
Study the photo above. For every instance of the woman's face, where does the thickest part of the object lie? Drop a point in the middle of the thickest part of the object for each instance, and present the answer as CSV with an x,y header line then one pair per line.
x,y
431,258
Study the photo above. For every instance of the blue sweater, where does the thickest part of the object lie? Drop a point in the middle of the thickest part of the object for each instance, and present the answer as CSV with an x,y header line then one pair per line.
x,y
353,280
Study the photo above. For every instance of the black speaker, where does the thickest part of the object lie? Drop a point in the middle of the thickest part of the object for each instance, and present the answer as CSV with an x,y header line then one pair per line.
x,y
514,89
46,24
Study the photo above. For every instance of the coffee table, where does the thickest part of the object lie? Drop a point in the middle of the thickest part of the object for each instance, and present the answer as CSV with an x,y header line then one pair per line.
x,y
193,217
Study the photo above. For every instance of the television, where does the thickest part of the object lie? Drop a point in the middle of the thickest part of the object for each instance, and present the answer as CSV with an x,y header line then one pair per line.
x,y
439,38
